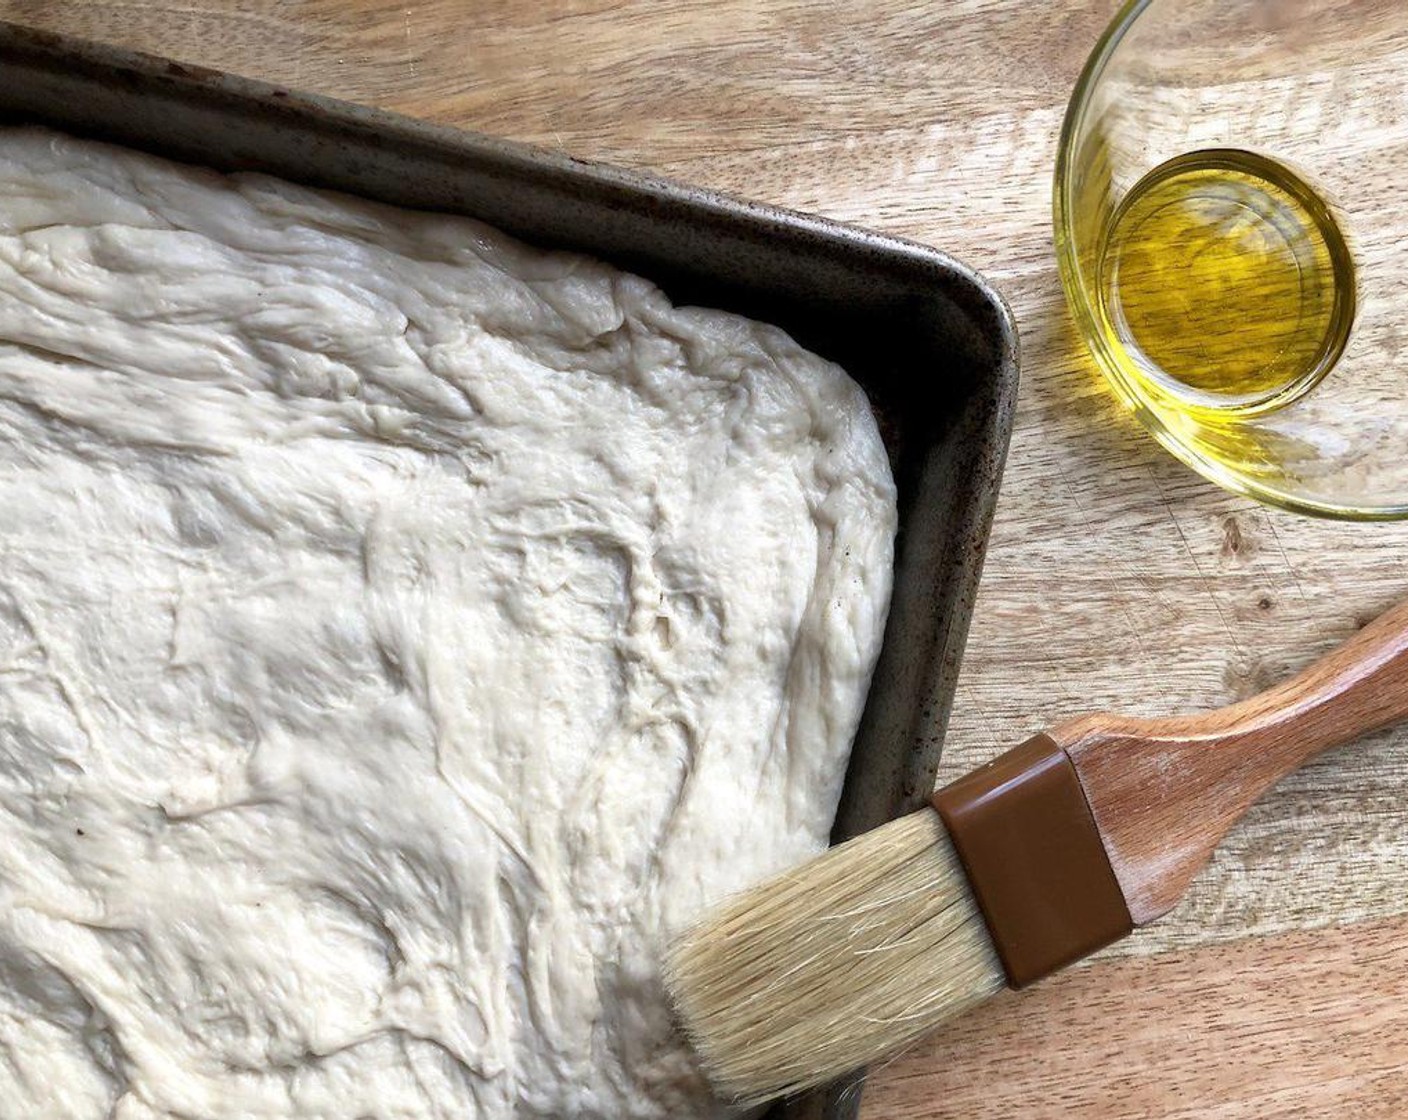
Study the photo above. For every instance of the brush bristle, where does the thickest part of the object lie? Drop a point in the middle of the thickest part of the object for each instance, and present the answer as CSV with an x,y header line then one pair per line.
x,y
824,969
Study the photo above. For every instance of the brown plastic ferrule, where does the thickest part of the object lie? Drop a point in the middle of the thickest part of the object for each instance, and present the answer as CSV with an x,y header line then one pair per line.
x,y
1035,860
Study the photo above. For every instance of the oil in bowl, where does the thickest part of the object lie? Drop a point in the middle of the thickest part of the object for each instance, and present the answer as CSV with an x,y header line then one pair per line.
x,y
1226,286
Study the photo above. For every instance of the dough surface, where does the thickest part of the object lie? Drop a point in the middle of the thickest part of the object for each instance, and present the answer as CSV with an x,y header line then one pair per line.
x,y
401,631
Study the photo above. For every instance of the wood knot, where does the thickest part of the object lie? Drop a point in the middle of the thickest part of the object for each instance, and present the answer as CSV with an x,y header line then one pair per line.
x,y
1243,679
1235,541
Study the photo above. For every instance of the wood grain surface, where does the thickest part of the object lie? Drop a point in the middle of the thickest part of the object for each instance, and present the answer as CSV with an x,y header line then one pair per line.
x,y
1164,792
1115,579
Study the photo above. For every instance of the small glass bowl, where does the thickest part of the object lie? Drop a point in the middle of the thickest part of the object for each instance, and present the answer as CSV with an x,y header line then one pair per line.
x,y
1314,92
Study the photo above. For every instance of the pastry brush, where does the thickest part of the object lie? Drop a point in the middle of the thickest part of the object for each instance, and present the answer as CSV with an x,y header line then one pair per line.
x,y
1046,854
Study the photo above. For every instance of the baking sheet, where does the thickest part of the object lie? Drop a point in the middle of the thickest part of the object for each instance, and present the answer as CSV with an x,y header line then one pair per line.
x,y
931,343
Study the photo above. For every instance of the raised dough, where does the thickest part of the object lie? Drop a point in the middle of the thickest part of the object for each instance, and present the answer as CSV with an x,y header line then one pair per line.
x,y
401,630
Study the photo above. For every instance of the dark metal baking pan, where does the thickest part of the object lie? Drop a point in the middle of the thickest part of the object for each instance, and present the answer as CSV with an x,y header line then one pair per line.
x,y
928,339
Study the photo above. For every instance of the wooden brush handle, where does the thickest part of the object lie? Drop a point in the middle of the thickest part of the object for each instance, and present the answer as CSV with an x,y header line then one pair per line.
x,y
1164,792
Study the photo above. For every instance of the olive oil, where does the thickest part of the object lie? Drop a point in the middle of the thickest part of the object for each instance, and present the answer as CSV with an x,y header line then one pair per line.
x,y
1226,285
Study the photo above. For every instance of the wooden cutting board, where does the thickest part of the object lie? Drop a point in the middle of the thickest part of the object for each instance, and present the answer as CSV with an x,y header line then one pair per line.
x,y
1114,573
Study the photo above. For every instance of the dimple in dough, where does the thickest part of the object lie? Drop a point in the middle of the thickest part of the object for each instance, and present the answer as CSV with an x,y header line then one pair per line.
x,y
402,631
